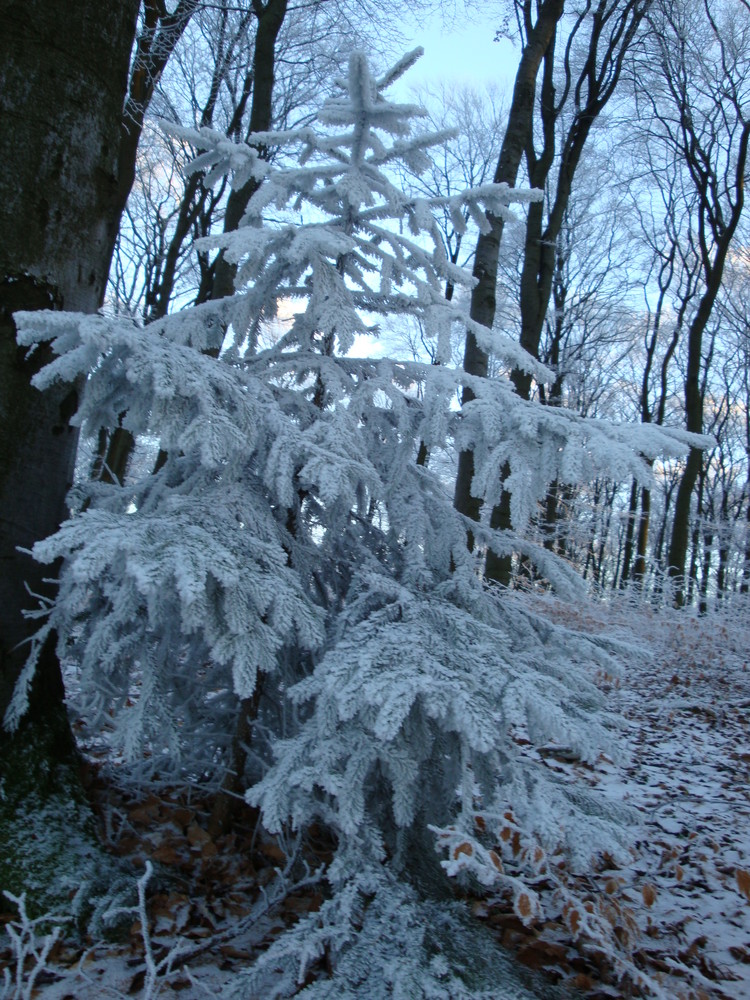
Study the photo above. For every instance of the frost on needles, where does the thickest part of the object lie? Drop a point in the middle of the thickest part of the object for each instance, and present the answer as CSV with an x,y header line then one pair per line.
x,y
291,541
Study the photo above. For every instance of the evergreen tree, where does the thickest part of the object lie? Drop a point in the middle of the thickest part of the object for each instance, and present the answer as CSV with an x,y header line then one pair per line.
x,y
291,550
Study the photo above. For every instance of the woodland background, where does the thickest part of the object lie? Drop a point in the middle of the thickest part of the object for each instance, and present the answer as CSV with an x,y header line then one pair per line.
x,y
347,555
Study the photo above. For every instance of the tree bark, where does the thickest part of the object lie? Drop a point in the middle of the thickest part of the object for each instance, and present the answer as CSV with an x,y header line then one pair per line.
x,y
612,30
270,19
59,147
63,77
483,296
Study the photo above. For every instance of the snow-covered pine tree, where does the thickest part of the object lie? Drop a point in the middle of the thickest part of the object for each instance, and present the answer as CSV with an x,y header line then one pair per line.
x,y
291,535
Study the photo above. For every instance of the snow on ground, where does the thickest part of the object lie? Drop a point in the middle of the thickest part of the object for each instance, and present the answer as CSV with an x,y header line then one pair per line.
x,y
689,713
680,908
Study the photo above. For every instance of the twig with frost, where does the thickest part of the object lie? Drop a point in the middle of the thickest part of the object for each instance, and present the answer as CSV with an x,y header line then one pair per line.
x,y
182,949
164,967
25,945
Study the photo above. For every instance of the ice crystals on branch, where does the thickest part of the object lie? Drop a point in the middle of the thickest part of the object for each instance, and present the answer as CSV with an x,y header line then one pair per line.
x,y
352,258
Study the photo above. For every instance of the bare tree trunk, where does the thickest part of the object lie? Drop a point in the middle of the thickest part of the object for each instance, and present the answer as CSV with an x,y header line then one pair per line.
x,y
270,19
59,191
640,564
708,545
612,30
483,296
716,159
629,534
220,281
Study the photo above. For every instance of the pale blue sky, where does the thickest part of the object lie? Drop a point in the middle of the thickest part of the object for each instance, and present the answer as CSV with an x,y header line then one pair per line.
x,y
464,52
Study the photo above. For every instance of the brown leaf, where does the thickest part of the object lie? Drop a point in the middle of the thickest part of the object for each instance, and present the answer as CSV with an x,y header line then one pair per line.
x,y
197,836
166,855
649,894
183,816
464,848
273,852
581,982
536,954
743,882
573,920
495,859
523,906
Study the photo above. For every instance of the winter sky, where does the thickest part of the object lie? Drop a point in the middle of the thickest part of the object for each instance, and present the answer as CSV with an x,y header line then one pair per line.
x,y
462,50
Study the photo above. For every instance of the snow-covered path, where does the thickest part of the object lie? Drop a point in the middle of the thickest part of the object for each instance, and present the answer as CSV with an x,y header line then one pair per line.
x,y
690,716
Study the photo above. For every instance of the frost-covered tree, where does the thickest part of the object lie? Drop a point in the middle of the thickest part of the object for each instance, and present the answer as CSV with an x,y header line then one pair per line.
x,y
291,553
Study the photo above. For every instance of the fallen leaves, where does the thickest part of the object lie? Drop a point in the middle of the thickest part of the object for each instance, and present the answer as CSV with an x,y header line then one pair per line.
x,y
743,882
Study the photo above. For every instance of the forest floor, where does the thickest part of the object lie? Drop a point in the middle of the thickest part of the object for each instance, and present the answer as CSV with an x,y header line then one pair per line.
x,y
680,909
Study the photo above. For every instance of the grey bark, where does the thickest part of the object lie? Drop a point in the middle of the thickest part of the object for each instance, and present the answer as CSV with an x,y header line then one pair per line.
x,y
539,35
63,77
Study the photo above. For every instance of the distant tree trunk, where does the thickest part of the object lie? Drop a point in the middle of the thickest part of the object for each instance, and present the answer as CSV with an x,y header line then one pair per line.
x,y
629,534
219,279
708,545
745,584
270,19
714,146
640,565
612,30
160,33
722,570
483,296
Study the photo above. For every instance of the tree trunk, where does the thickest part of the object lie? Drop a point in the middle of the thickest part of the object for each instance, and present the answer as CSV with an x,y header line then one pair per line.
x,y
483,296
629,534
708,545
639,567
270,19
113,465
58,189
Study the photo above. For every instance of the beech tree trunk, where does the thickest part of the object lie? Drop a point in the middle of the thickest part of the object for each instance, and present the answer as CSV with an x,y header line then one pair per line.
x,y
63,76
63,79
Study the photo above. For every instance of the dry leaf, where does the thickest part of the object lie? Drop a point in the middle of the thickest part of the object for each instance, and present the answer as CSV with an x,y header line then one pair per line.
x,y
495,859
523,906
581,982
649,894
196,835
464,848
743,882
573,920
273,852
166,855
